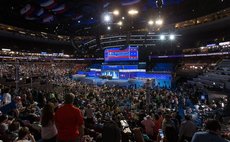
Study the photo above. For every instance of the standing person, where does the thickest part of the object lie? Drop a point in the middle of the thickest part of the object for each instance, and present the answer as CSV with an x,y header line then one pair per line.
x,y
157,126
187,129
211,135
167,122
148,87
69,121
6,97
89,112
48,130
111,132
149,126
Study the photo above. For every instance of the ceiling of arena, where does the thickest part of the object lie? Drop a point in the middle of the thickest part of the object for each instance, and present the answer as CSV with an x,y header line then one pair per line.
x,y
80,17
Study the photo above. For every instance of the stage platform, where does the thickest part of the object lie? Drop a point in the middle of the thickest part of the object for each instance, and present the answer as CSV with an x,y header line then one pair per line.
x,y
130,83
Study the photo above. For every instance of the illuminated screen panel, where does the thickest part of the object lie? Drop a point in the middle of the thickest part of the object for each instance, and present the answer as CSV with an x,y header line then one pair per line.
x,y
117,67
116,54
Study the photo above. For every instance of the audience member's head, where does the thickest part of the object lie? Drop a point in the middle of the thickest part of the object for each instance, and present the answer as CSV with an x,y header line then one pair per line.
x,y
23,132
69,98
14,126
148,117
188,117
213,125
156,117
167,117
3,118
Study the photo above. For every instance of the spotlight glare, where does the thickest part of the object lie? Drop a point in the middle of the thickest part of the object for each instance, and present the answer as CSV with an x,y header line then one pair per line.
x,y
108,28
132,12
120,23
107,18
159,22
172,37
116,12
150,22
162,37
123,18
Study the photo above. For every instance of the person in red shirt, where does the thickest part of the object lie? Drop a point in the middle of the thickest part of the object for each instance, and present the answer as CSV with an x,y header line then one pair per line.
x,y
69,121
157,126
148,125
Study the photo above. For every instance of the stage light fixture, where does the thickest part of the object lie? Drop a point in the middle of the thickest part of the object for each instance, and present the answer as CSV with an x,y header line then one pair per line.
x,y
108,28
150,22
116,12
162,37
123,18
132,12
120,23
159,22
171,36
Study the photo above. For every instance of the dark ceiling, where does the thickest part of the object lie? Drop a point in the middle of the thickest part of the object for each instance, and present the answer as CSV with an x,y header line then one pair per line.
x,y
81,17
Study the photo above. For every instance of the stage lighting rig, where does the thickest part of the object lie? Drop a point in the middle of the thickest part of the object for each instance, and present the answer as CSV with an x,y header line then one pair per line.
x,y
162,37
107,18
133,12
120,23
171,36
150,22
159,22
116,12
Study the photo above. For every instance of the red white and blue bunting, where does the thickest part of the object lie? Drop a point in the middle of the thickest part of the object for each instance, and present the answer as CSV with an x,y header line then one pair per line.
x,y
129,2
48,4
59,9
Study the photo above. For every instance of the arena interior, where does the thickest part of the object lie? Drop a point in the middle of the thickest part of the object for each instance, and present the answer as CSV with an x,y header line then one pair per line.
x,y
114,71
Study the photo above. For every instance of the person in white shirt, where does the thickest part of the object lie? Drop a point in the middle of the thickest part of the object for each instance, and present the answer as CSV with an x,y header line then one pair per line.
x,y
48,130
6,97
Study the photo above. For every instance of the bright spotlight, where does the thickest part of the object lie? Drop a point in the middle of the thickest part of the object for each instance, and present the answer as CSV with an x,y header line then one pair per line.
x,y
120,23
132,12
123,18
162,37
108,28
171,37
150,22
107,18
159,22
116,12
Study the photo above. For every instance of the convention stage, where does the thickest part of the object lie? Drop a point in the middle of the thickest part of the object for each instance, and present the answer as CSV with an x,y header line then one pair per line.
x,y
137,83
121,68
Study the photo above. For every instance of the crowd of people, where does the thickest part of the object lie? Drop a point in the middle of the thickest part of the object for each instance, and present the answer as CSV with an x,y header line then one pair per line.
x,y
81,112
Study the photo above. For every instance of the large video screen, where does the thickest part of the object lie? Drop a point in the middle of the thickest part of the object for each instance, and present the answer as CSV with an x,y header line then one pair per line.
x,y
116,54
117,67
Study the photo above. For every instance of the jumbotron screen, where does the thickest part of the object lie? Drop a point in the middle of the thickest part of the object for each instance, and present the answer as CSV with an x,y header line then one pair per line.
x,y
116,54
